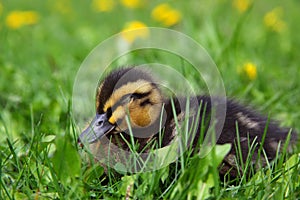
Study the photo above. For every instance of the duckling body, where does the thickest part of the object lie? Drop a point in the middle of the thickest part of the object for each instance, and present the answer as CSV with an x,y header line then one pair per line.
x,y
130,94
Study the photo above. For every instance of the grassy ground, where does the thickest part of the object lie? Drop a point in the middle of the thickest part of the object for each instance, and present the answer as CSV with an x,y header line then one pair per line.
x,y
255,45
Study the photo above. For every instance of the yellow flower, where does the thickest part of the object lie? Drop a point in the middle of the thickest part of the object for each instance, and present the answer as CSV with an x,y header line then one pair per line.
x,y
131,3
241,5
17,19
273,21
103,5
130,35
166,15
250,70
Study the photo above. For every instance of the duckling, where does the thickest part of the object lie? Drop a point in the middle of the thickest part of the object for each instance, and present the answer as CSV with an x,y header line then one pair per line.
x,y
131,95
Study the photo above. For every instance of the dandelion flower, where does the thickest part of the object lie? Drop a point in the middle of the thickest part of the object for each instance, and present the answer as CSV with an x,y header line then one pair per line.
x,y
17,19
273,21
250,70
241,5
103,5
130,35
166,15
132,4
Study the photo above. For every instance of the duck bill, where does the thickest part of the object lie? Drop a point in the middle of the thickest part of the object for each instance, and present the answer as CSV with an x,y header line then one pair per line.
x,y
97,129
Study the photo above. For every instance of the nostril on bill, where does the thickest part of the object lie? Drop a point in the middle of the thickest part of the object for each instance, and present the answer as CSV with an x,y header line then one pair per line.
x,y
100,123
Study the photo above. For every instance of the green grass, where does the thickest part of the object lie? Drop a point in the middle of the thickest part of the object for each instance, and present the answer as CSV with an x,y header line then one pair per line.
x,y
39,156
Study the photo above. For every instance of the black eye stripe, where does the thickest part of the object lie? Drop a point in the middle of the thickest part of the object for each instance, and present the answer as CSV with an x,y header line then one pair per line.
x,y
134,96
140,95
131,96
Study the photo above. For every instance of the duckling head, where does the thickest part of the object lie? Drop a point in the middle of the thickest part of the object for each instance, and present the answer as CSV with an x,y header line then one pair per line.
x,y
127,99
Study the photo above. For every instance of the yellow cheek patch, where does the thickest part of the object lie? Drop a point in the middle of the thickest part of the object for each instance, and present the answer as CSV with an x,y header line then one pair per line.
x,y
140,116
142,119
117,114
